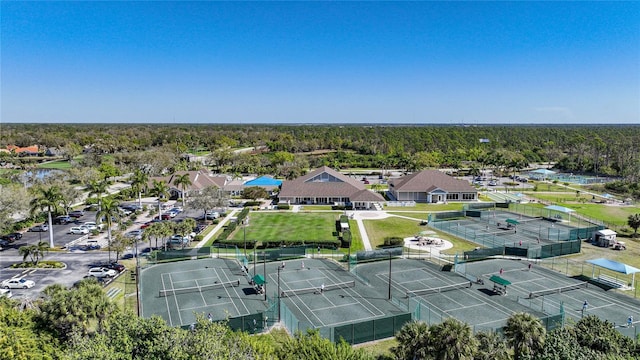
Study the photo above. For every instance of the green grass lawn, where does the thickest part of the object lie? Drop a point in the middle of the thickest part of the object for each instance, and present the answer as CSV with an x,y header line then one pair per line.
x,y
265,226
59,164
614,215
427,207
378,230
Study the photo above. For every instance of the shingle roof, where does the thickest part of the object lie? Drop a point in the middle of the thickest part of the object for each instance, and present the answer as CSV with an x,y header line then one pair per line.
x,y
200,179
343,187
429,180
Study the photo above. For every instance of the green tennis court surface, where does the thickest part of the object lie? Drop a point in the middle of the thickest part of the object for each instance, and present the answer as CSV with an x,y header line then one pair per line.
x,y
178,291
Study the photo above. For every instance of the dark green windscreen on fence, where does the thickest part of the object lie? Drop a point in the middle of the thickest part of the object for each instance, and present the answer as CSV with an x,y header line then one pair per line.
x,y
445,215
252,323
561,248
473,213
365,331
584,233
182,254
378,254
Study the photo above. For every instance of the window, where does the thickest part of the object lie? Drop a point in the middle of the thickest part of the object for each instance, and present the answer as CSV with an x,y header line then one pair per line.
x,y
452,196
469,196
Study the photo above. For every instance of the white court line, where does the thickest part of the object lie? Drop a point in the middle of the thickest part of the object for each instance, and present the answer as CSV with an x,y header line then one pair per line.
x,y
502,309
208,306
201,294
321,293
229,295
175,298
336,306
166,300
295,303
237,294
359,297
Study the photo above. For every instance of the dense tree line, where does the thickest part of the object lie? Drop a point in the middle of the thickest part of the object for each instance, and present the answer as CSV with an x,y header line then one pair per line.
x,y
82,323
601,149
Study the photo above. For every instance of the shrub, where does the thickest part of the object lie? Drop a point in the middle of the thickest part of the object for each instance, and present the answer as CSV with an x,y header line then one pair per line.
x,y
284,206
393,241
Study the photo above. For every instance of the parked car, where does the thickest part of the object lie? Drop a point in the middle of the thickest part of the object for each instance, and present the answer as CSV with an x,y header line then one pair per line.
x,y
493,183
12,237
164,216
91,225
79,230
4,242
6,293
101,272
109,265
62,220
40,228
17,283
135,234
178,239
76,213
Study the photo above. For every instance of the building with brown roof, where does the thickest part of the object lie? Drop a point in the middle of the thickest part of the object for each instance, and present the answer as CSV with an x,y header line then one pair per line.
x,y
200,179
431,186
327,186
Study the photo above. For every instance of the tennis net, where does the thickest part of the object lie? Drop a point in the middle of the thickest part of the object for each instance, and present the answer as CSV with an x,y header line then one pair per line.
x,y
558,290
170,292
412,293
316,290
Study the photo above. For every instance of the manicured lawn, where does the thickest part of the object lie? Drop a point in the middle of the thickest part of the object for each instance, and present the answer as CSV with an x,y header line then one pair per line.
x,y
380,349
614,215
356,238
427,207
265,226
60,165
379,229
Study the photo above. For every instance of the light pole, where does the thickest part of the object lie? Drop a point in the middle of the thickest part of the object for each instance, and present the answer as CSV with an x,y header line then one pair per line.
x,y
280,267
264,270
389,275
137,280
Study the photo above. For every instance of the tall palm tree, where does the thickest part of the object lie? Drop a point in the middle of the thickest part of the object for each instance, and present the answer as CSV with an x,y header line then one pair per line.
x,y
47,199
525,333
159,189
139,182
413,341
452,340
109,212
182,181
97,188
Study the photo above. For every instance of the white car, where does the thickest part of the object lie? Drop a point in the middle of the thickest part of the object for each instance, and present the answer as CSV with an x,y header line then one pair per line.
x,y
100,272
79,230
17,283
91,225
6,293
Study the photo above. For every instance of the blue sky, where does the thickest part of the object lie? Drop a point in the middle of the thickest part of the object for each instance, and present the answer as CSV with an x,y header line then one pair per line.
x,y
320,62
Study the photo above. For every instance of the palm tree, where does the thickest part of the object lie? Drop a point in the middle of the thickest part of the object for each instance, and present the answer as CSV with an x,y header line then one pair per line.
x,y
35,252
139,182
109,211
525,333
97,188
159,189
182,181
413,341
452,340
491,347
185,228
49,199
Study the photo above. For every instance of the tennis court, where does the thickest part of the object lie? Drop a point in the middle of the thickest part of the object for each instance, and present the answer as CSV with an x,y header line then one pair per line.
x,y
178,291
497,228
320,294
547,291
433,295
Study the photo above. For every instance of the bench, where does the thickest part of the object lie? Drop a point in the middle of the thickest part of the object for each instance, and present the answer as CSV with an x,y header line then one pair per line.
x,y
610,281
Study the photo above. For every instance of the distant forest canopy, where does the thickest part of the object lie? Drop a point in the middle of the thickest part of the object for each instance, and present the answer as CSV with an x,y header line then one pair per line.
x,y
601,149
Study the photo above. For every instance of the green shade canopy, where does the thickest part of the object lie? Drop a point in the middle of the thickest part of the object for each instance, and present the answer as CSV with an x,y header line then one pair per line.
x,y
512,221
500,281
259,280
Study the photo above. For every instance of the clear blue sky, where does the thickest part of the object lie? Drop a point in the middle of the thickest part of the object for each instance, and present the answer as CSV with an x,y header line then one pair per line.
x,y
320,62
